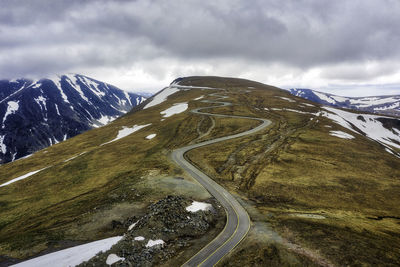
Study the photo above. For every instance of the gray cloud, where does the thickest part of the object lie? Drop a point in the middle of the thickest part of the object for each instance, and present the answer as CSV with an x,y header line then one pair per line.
x,y
41,37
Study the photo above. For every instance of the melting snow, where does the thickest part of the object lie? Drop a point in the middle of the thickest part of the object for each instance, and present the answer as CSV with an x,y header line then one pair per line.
x,y
113,258
22,87
72,80
132,226
175,109
11,109
41,101
75,156
139,238
341,134
22,177
369,125
196,206
306,104
393,106
151,136
104,120
324,97
294,110
162,96
93,86
2,145
287,99
58,112
198,98
36,85
127,131
58,84
373,101
72,256
127,97
152,243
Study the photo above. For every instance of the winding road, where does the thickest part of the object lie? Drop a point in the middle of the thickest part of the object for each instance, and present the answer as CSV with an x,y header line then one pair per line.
x,y
238,221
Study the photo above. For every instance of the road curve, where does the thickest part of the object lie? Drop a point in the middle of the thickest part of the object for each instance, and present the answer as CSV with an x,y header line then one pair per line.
x,y
238,221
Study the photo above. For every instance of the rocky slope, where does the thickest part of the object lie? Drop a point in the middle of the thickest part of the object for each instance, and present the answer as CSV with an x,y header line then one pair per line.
x,y
166,229
37,114
389,105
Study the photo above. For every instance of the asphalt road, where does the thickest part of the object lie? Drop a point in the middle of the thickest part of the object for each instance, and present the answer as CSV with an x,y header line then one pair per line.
x,y
238,221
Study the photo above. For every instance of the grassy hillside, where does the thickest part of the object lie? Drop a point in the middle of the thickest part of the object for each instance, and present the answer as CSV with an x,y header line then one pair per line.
x,y
313,198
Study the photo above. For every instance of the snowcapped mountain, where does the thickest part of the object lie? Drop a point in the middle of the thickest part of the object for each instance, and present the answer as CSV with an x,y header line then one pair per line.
x,y
37,114
389,105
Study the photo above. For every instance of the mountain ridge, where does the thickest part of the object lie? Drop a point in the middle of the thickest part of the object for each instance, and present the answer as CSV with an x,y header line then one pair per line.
x,y
385,104
37,113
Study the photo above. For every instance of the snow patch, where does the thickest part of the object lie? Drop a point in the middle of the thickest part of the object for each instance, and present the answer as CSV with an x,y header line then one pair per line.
x,y
75,156
139,238
162,96
12,108
58,111
103,120
196,206
22,177
127,131
41,101
72,256
113,258
175,109
150,136
287,99
152,243
3,147
132,226
127,97
341,134
198,98
309,105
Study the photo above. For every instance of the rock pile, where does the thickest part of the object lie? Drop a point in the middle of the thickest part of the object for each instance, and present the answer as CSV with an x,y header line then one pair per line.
x,y
160,234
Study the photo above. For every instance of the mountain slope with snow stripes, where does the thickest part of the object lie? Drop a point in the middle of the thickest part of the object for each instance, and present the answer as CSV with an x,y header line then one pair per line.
x,y
37,113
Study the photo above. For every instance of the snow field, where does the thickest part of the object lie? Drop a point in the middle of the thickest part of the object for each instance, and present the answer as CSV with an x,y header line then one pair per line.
x,y
72,256
127,131
162,96
364,122
196,206
175,109
341,134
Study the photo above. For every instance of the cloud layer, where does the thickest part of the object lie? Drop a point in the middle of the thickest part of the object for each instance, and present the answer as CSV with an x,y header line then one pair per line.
x,y
144,44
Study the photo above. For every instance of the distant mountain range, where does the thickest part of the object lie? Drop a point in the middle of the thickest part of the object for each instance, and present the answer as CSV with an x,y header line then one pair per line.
x,y
37,114
388,105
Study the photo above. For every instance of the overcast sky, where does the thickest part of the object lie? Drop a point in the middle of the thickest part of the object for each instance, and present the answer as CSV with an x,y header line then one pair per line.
x,y
342,46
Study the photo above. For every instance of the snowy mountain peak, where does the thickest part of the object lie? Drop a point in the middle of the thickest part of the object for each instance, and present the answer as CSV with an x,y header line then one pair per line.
x,y
37,113
389,105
